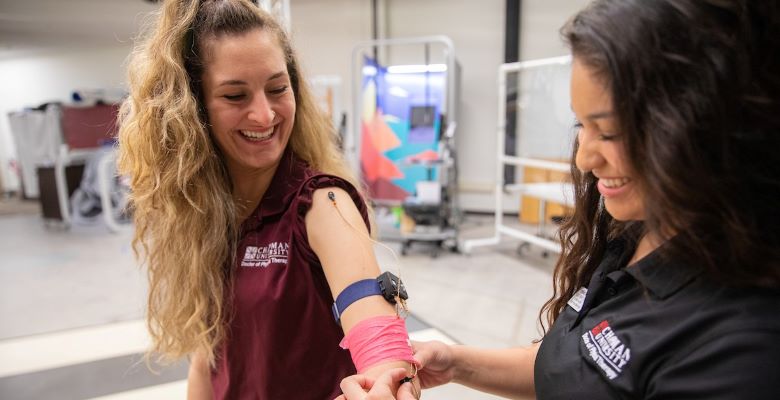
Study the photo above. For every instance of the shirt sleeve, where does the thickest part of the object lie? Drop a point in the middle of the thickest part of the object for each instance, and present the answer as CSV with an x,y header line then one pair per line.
x,y
303,203
741,365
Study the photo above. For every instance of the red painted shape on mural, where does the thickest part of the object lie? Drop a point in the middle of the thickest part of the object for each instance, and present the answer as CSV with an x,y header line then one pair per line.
x,y
427,155
386,190
382,135
375,165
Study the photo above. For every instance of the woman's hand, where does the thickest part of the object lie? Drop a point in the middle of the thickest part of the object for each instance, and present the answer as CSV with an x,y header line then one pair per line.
x,y
437,365
387,386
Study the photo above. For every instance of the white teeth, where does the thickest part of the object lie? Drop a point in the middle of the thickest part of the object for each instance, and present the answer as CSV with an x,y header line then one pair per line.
x,y
614,183
258,135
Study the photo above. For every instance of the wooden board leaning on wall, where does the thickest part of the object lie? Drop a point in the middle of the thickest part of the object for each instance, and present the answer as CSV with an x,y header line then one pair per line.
x,y
529,206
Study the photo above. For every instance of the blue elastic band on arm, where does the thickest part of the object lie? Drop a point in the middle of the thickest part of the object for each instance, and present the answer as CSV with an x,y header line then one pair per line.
x,y
353,293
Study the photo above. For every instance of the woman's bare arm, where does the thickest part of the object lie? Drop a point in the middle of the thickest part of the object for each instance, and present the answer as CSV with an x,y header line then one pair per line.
x,y
199,379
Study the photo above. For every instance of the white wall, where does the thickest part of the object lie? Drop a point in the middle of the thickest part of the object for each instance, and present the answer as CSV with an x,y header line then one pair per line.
x,y
541,21
323,33
52,76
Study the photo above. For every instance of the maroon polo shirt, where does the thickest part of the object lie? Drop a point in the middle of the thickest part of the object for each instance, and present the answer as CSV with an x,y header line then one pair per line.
x,y
283,342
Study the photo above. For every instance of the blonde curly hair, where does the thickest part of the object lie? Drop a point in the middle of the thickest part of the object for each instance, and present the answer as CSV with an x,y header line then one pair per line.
x,y
184,211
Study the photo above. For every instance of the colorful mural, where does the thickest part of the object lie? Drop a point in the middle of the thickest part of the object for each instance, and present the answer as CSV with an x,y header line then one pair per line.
x,y
400,128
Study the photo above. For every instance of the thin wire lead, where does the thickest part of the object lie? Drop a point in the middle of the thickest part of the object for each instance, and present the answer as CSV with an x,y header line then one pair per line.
x,y
402,310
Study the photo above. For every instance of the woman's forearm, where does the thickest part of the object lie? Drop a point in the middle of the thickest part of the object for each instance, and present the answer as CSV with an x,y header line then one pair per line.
x,y
505,372
199,379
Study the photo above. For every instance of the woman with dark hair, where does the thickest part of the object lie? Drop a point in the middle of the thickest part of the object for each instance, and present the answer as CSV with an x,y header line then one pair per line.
x,y
668,286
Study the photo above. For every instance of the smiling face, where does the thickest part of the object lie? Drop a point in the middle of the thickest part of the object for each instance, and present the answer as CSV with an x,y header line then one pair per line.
x,y
249,100
601,149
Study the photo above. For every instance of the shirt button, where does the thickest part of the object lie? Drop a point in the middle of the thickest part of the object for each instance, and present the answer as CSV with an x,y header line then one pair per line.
x,y
612,291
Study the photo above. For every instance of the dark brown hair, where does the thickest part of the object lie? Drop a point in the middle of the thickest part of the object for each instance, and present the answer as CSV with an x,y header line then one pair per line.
x,y
695,86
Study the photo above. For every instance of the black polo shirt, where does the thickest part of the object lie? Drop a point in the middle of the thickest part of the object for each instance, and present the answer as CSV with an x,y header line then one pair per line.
x,y
660,330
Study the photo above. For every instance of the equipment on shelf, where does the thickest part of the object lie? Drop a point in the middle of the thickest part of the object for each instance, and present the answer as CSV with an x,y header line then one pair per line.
x,y
71,137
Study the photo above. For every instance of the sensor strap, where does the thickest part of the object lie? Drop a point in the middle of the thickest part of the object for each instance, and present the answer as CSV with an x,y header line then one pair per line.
x,y
353,293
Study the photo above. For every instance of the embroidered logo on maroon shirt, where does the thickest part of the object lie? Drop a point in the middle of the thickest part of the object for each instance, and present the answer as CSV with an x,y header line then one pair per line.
x,y
606,349
263,256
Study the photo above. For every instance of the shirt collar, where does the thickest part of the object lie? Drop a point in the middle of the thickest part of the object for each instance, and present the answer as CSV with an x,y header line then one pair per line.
x,y
290,174
662,275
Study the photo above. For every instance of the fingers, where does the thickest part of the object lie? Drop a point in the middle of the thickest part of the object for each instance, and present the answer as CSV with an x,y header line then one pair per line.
x,y
414,344
406,392
387,386
423,352
391,378
355,387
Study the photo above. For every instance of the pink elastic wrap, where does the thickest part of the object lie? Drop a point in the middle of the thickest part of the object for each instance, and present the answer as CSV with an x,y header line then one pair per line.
x,y
377,339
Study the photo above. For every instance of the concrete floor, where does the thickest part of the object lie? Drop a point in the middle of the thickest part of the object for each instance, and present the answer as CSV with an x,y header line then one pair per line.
x,y
71,303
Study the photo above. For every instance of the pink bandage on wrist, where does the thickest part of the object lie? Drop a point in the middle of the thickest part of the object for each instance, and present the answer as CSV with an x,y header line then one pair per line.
x,y
377,339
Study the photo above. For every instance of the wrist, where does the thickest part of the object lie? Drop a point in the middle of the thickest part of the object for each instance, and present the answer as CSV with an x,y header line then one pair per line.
x,y
378,369
460,369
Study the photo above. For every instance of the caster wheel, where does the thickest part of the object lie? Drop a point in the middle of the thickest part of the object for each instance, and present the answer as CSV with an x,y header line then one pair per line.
x,y
523,248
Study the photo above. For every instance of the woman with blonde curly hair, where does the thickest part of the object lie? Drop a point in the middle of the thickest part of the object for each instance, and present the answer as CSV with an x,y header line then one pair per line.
x,y
247,217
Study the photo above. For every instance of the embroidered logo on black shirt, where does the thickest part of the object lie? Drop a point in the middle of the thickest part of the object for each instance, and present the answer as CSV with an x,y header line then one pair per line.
x,y
606,349
263,256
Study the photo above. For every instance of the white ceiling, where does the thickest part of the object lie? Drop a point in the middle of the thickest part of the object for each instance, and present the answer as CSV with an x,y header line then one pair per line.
x,y
33,25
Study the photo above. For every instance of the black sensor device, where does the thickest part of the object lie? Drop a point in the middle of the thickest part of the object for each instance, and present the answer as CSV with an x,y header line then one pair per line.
x,y
391,286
